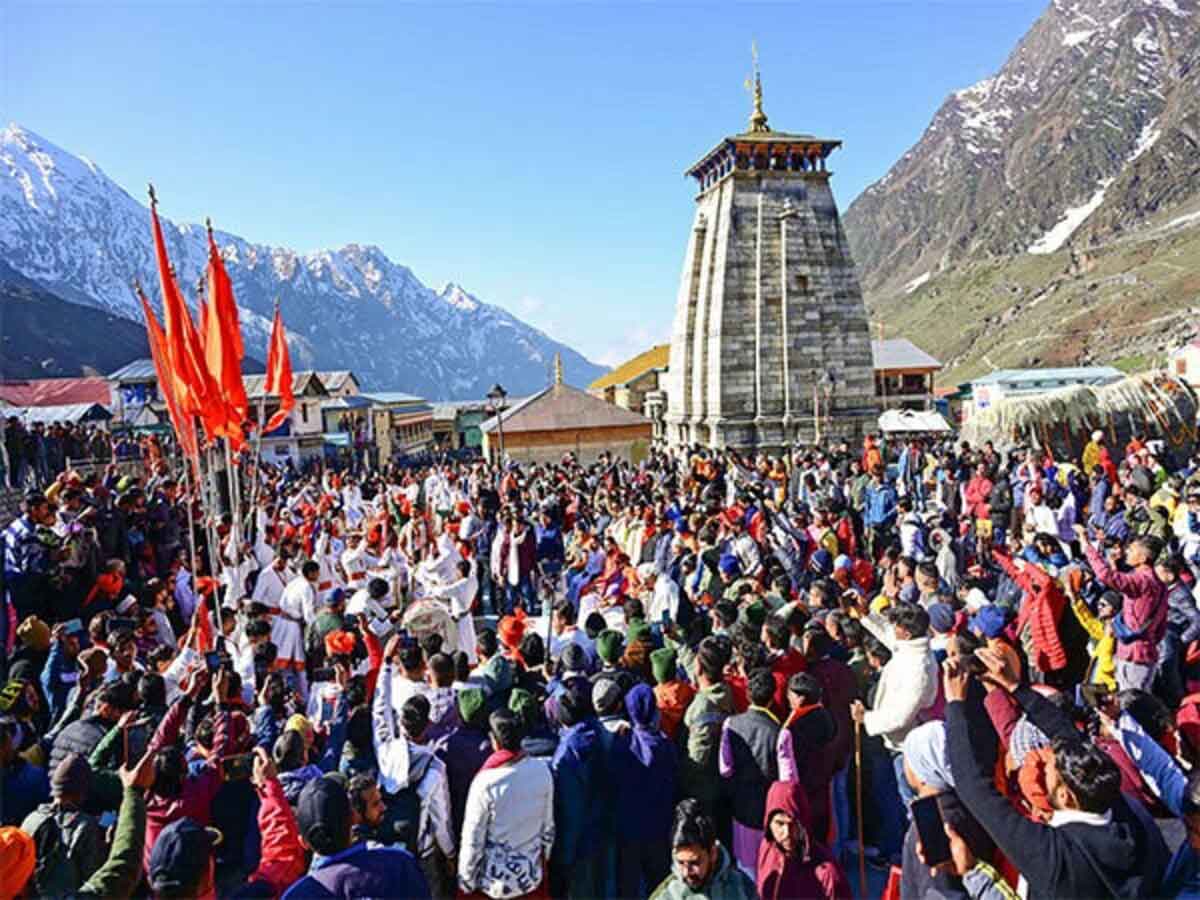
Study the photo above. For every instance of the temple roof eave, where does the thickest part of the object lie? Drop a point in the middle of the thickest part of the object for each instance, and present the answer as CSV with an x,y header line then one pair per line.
x,y
828,145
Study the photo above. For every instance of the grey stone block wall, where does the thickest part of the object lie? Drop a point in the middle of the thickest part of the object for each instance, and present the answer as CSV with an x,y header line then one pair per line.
x,y
744,363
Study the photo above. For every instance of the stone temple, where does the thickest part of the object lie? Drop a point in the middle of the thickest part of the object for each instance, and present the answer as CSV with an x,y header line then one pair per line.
x,y
770,343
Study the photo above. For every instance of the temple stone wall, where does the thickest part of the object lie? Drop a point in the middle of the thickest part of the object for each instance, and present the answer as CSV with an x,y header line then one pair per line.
x,y
768,302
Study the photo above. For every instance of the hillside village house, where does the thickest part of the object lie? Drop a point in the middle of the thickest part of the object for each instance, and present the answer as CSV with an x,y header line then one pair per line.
x,y
904,374
560,419
301,436
1185,363
635,385
403,424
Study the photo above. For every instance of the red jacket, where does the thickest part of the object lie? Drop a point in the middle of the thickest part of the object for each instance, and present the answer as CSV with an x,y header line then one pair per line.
x,y
282,861
195,800
1041,609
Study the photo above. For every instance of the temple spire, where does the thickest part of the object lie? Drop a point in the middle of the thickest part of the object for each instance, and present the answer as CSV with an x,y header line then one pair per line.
x,y
758,118
558,368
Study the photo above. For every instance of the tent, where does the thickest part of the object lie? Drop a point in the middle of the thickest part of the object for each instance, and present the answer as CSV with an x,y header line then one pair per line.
x,y
1154,403
926,421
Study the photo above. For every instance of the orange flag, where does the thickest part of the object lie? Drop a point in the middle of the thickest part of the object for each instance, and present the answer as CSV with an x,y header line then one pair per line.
x,y
279,373
184,355
223,349
185,426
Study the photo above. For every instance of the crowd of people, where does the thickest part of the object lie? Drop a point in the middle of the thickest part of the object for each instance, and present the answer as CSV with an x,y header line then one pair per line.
x,y
704,675
31,453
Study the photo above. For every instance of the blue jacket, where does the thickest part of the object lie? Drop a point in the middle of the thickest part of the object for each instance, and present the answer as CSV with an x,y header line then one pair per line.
x,y
363,871
879,504
579,791
646,769
26,787
58,677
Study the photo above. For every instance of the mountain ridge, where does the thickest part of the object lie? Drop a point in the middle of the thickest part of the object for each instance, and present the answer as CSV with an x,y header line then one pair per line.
x,y
68,227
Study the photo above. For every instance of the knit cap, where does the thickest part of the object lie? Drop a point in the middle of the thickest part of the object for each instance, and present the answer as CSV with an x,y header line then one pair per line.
x,y
989,620
941,617
17,857
754,614
72,777
34,633
470,703
638,631
663,664
300,723
608,645
729,565
521,702
606,693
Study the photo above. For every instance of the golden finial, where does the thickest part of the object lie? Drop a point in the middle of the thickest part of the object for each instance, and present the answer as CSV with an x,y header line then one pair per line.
x,y
558,368
758,118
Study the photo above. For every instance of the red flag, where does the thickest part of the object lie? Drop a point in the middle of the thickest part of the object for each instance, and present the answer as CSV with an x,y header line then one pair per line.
x,y
279,373
185,425
184,355
223,349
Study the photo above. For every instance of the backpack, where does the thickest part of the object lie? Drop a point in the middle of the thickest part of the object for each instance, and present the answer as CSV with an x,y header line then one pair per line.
x,y
54,833
401,825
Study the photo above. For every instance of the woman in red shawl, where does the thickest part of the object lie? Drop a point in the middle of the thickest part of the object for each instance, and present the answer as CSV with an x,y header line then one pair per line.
x,y
791,864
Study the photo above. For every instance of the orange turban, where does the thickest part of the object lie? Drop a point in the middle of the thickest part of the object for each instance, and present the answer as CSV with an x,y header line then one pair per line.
x,y
511,629
339,643
17,856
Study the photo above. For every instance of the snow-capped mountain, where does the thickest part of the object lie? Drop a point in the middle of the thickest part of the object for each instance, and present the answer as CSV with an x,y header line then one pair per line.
x,y
1091,126
68,227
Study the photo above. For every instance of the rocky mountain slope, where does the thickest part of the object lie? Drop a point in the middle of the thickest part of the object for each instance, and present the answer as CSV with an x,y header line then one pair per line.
x,y
1045,215
69,228
1091,125
42,336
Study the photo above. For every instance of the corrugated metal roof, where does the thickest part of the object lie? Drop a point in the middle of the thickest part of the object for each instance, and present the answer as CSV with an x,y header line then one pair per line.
x,y
562,407
656,357
138,370
256,384
901,353
56,392
1077,374
393,397
70,412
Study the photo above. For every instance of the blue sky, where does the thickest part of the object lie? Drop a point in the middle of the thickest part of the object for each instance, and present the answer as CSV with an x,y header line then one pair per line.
x,y
533,153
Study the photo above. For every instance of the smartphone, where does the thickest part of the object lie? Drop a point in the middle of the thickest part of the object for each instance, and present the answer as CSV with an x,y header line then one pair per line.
x,y
237,768
73,626
1094,695
931,830
212,660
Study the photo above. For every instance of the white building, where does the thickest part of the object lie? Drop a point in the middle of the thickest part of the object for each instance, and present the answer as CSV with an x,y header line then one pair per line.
x,y
996,386
1185,363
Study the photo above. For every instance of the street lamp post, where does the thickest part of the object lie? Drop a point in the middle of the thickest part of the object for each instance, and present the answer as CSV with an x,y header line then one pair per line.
x,y
828,382
496,405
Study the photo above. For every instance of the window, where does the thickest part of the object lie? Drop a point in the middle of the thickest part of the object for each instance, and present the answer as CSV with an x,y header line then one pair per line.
x,y
304,413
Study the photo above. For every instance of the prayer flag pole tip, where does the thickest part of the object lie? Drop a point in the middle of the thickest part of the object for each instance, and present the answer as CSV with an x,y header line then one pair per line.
x,y
153,196
208,225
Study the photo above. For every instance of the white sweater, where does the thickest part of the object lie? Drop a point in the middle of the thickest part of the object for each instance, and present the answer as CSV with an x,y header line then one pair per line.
x,y
908,684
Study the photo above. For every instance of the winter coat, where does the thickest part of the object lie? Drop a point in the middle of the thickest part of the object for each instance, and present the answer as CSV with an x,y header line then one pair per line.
x,y
702,730
728,882
1144,610
582,793
363,871
463,751
812,875
908,685
673,699
645,770
508,831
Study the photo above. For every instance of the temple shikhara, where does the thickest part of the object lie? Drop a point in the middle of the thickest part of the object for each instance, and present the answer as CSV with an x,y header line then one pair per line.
x,y
770,343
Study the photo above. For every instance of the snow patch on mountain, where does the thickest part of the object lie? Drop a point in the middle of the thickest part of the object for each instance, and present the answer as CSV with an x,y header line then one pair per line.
x,y
68,227
1054,239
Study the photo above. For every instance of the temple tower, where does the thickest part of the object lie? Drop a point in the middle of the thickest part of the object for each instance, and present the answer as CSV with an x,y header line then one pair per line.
x,y
770,343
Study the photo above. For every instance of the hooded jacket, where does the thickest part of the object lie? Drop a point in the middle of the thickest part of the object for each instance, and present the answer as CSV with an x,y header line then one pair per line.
x,y
647,769
809,875
403,764
728,882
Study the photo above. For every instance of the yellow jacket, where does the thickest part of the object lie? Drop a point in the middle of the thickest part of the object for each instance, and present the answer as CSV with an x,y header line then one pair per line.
x,y
1103,648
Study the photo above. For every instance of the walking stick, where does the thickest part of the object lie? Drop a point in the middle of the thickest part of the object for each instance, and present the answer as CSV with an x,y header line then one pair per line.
x,y
858,802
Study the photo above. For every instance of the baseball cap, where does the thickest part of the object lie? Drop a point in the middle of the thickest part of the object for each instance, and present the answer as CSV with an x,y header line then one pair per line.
x,y
181,856
323,815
